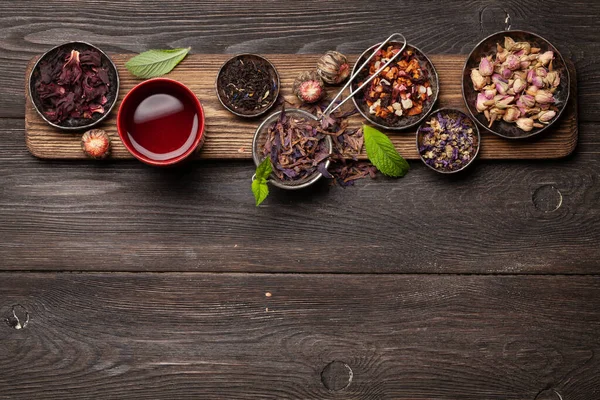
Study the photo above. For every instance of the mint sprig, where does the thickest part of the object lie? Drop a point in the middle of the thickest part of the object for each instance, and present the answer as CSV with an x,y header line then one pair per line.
x,y
383,154
153,63
259,183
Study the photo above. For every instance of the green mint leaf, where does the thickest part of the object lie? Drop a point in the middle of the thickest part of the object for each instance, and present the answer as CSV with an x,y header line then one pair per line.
x,y
259,183
153,63
383,154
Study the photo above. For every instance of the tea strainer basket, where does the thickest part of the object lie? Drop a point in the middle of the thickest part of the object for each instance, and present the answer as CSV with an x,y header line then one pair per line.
x,y
261,137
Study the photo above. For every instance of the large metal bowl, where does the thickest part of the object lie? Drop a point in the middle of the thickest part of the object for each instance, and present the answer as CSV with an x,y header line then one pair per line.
x,y
488,47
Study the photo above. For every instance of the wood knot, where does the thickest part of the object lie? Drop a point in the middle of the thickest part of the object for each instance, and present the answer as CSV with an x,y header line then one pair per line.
x,y
336,376
19,317
547,198
549,394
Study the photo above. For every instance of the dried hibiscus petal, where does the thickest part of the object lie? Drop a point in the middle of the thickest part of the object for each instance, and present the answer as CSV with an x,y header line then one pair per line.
x,y
72,84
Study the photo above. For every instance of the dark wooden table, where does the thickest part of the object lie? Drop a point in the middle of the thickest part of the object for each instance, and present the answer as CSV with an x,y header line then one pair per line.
x,y
146,283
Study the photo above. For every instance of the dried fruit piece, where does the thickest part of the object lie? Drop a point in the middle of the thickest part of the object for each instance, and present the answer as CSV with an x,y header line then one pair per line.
x,y
96,144
309,87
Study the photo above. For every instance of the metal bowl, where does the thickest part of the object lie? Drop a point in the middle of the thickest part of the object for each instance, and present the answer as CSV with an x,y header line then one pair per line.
x,y
405,122
456,112
275,84
259,141
488,47
75,124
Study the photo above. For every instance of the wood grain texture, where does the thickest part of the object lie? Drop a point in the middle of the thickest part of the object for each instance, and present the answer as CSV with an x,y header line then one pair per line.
x,y
230,137
313,26
205,336
123,216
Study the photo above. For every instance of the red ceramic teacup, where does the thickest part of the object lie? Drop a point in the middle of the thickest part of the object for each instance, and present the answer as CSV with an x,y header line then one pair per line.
x,y
161,122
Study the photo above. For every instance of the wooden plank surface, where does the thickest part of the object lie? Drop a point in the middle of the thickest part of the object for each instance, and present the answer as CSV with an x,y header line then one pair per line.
x,y
522,217
230,137
168,335
232,336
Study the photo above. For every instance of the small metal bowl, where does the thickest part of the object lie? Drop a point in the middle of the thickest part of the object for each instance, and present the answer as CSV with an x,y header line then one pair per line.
x,y
259,141
76,124
223,97
488,47
456,112
404,122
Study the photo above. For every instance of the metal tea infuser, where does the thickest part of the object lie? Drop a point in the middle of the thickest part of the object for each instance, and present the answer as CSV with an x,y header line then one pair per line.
x,y
261,132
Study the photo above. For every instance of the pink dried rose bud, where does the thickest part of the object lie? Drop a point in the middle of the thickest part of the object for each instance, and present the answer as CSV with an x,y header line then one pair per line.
x,y
532,90
525,124
513,62
552,79
506,73
544,97
541,71
501,87
546,116
478,80
481,102
502,102
486,68
519,85
498,78
538,81
490,93
527,100
546,57
530,75
511,115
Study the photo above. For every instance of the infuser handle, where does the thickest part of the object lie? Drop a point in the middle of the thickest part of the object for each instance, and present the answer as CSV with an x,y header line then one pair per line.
x,y
328,110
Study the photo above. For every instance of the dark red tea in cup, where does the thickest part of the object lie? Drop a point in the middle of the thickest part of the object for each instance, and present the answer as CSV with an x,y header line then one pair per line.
x,y
161,122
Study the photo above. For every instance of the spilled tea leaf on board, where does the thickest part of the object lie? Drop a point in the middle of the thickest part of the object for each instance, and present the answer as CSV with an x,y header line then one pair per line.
x,y
153,63
383,154
259,183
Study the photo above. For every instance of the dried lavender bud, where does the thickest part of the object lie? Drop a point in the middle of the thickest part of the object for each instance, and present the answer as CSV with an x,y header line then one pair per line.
x,y
448,141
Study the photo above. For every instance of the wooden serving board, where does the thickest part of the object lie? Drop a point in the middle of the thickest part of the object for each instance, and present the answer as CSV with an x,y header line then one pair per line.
x,y
230,137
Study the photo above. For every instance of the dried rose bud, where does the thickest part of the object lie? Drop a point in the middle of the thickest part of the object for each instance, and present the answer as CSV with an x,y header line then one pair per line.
x,y
519,85
525,64
309,87
506,73
535,50
512,114
527,100
478,79
508,43
486,68
481,102
541,71
96,144
525,124
552,79
538,81
524,47
333,67
532,90
544,97
530,75
513,62
501,87
546,57
502,102
498,78
490,93
546,116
